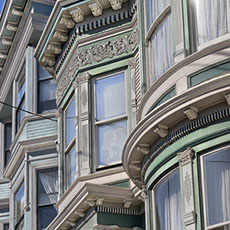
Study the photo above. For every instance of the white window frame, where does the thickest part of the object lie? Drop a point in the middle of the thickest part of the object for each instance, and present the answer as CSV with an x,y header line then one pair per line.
x,y
118,118
71,144
205,211
153,198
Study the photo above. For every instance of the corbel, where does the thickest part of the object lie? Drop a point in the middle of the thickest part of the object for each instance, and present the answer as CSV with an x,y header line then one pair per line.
x,y
71,222
96,8
90,202
136,166
99,201
16,12
227,97
186,156
162,130
11,27
48,60
116,4
80,212
191,113
6,42
67,22
77,14
127,203
143,148
61,35
55,47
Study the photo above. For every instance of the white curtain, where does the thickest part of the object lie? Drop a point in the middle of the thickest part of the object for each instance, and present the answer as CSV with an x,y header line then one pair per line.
x,y
163,48
50,184
212,19
168,203
217,181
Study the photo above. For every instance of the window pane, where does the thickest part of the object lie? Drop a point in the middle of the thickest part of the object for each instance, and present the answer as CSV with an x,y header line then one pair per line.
x,y
20,113
45,216
69,122
6,227
154,9
21,93
47,186
111,138
217,183
8,139
168,203
47,97
110,97
19,202
211,23
42,73
71,165
163,48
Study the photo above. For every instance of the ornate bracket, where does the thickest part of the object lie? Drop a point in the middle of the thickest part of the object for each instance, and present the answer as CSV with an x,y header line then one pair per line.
x,y
191,113
96,8
186,156
162,130
61,35
77,15
67,22
116,4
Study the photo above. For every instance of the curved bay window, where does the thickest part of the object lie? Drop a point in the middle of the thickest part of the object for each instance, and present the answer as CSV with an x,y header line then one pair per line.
x,y
159,38
216,168
70,147
168,203
19,206
210,22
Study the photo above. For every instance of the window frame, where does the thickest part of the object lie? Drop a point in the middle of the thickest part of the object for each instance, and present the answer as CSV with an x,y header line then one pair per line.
x,y
152,204
21,218
149,40
95,123
37,170
203,189
39,81
70,145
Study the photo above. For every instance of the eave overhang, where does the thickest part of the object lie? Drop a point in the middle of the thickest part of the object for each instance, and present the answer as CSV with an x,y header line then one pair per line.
x,y
65,16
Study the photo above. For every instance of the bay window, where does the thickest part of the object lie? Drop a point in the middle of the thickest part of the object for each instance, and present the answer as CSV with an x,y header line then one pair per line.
x,y
110,121
210,22
168,203
46,91
70,147
19,206
159,38
47,194
216,167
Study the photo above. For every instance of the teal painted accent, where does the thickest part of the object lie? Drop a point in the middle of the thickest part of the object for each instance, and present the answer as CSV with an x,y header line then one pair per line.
x,y
195,139
165,97
90,223
123,184
162,170
125,221
41,128
40,8
186,27
208,73
4,190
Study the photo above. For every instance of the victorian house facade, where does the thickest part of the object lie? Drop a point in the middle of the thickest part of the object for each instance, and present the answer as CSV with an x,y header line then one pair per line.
x,y
137,134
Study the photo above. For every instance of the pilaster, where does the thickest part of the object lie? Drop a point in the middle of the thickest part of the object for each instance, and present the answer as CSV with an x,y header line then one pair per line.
x,y
189,215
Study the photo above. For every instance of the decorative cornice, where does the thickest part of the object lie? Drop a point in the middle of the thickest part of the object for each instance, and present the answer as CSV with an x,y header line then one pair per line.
x,y
186,156
96,8
116,4
183,131
77,14
55,48
61,35
95,54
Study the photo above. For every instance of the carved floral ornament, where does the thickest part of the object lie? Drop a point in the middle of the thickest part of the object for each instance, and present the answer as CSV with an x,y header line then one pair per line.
x,y
95,54
186,156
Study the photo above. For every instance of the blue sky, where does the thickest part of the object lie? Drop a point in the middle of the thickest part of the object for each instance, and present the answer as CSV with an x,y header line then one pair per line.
x,y
1,5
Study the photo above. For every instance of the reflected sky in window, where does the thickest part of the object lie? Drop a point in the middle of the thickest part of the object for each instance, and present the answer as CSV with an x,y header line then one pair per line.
x,y
1,6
